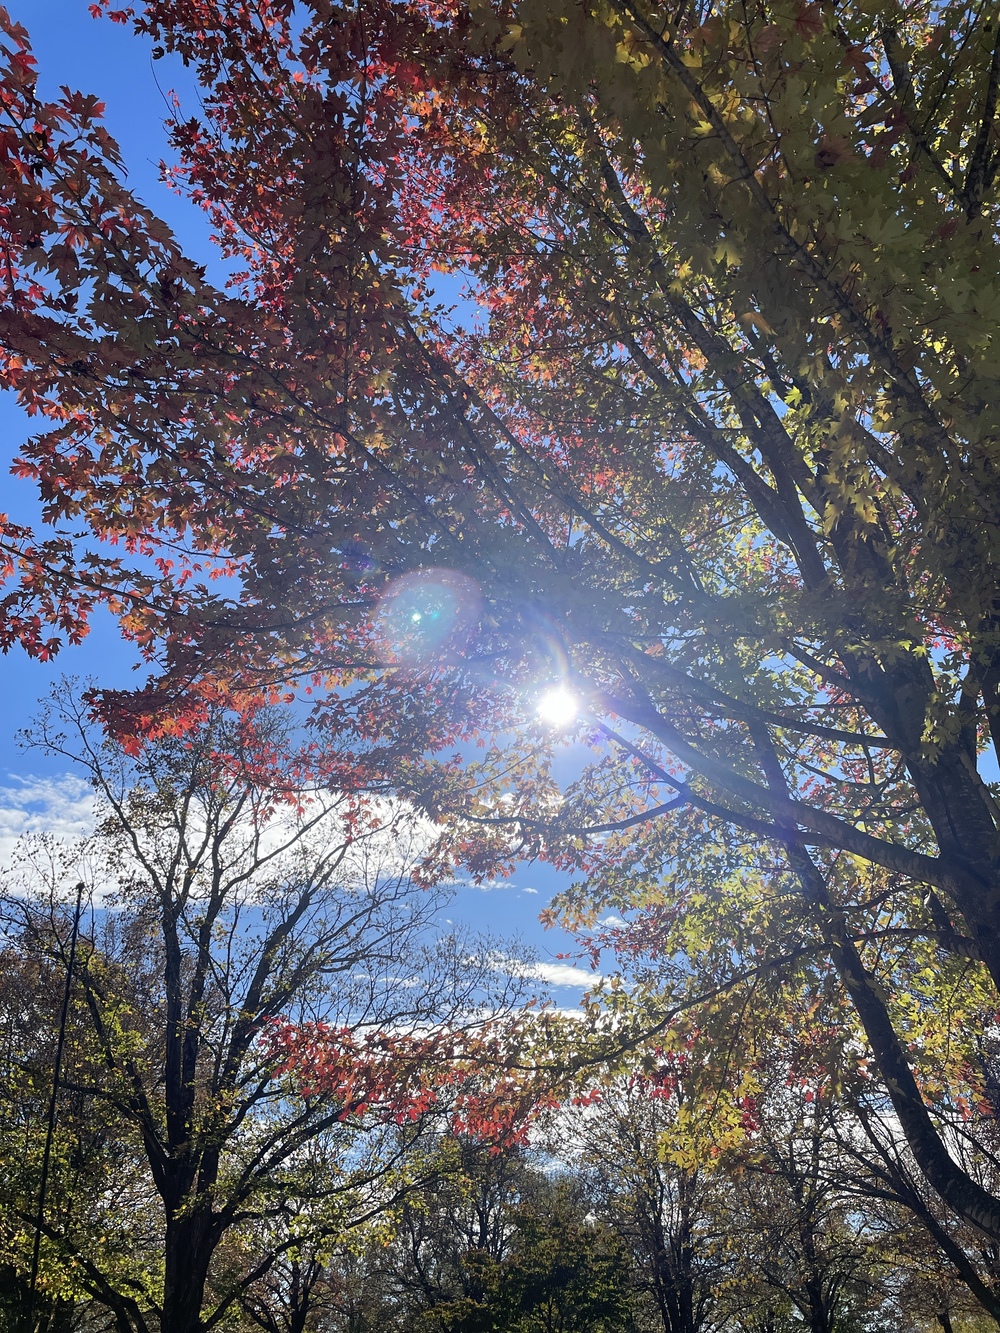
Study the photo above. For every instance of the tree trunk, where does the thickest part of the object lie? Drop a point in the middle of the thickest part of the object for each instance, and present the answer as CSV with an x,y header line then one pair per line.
x,y
188,1250
819,1315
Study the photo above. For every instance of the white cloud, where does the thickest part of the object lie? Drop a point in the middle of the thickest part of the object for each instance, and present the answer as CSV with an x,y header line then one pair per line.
x,y
559,975
614,921
535,891
563,974
62,807
487,886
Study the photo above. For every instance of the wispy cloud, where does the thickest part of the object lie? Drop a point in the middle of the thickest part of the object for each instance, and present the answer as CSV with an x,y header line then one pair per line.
x,y
487,886
62,807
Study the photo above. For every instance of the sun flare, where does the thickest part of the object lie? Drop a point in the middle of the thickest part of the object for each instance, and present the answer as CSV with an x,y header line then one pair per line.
x,y
558,707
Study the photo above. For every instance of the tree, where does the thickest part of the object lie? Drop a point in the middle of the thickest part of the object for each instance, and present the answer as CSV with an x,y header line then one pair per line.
x,y
226,907
875,1164
667,1207
419,1264
83,1150
563,1273
801,1235
721,460
499,1238
314,1288
467,1206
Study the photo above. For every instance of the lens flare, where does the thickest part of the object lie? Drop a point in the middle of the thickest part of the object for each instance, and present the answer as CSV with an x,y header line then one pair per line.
x,y
426,614
558,707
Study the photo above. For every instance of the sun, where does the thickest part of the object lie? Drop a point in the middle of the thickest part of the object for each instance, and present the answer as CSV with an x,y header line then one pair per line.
x,y
558,707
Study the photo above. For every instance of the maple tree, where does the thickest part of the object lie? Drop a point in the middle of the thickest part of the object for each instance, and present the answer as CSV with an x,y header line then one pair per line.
x,y
719,456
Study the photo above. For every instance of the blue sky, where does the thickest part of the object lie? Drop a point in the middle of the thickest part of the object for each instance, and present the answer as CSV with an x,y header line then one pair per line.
x,y
35,791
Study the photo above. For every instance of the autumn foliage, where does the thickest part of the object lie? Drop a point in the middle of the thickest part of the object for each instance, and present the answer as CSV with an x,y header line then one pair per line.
x,y
716,452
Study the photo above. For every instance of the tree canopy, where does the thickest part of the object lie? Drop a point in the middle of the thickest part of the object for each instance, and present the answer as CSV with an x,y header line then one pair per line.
x,y
716,456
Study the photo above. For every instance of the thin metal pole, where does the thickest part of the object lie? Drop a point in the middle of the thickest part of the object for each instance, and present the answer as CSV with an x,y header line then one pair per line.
x,y
50,1128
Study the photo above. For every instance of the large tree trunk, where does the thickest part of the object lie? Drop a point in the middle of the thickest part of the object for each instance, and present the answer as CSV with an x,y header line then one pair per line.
x,y
188,1247
673,1278
956,801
